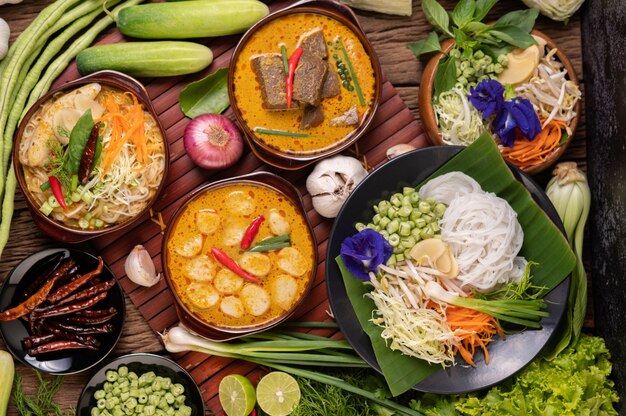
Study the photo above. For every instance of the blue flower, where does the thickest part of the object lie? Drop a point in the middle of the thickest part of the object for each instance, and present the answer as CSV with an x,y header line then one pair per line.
x,y
364,252
517,113
487,97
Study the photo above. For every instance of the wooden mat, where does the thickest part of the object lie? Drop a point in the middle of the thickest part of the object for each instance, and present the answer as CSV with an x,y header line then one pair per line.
x,y
392,124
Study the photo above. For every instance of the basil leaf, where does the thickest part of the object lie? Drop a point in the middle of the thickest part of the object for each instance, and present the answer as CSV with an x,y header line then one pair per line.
x,y
482,8
475,27
512,35
463,12
523,19
206,96
460,37
437,16
430,44
78,140
445,77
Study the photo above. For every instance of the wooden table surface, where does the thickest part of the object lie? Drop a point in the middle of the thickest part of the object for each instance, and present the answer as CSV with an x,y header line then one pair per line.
x,y
389,35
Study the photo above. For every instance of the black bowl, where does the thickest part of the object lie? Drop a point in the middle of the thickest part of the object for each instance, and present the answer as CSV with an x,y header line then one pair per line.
x,y
506,357
143,363
13,332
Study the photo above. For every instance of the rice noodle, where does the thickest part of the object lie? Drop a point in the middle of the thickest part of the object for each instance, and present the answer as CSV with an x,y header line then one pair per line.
x,y
447,187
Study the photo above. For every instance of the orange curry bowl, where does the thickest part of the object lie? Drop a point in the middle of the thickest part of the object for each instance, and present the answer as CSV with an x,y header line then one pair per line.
x,y
316,56
239,256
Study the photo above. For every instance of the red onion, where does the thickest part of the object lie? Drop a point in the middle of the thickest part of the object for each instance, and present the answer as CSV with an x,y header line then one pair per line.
x,y
213,141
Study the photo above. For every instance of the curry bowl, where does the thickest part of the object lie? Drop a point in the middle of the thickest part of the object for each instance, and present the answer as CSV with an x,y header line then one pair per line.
x,y
304,83
91,157
239,255
429,119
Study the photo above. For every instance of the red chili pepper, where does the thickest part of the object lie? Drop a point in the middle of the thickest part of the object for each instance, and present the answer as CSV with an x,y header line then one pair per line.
x,y
251,232
57,191
231,265
293,63
253,413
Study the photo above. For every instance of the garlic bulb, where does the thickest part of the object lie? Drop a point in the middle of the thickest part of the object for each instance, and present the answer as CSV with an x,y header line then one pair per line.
x,y
140,268
399,149
5,33
331,182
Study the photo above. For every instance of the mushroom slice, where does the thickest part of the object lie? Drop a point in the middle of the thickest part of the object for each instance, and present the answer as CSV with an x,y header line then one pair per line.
x,y
291,261
278,223
257,264
284,290
63,122
190,246
255,299
200,269
202,295
227,282
207,222
240,202
232,306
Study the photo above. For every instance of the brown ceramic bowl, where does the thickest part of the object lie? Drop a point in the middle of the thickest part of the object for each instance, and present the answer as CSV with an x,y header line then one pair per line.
x,y
191,319
51,227
427,113
294,160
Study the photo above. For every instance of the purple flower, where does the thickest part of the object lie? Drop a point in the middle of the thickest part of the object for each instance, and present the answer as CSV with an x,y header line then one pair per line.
x,y
364,252
517,113
487,97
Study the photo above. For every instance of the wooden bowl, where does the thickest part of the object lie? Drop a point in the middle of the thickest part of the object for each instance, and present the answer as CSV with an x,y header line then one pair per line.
x,y
51,227
221,333
294,160
427,114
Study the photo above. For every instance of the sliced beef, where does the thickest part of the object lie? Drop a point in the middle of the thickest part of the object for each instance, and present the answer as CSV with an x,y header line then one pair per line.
x,y
331,85
349,118
270,73
309,79
313,42
312,117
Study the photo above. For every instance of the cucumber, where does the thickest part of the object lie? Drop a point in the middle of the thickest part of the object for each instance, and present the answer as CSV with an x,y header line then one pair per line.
x,y
146,59
190,19
7,372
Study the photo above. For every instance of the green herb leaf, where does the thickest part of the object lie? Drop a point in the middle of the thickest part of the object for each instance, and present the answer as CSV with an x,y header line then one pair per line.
x,y
445,77
523,19
463,12
460,37
78,140
482,8
564,137
206,96
437,16
476,27
512,35
430,44
509,91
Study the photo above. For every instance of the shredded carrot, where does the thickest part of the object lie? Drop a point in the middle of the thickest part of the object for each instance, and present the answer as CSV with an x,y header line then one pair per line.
x,y
158,221
474,330
528,153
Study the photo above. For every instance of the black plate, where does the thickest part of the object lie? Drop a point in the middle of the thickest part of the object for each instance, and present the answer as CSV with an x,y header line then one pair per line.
x,y
143,363
506,357
63,362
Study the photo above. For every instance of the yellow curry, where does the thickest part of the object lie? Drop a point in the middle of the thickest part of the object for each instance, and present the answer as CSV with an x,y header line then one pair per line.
x,y
326,109
220,218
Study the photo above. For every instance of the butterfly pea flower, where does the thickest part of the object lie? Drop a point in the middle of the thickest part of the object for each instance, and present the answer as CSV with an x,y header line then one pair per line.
x,y
487,97
364,252
517,114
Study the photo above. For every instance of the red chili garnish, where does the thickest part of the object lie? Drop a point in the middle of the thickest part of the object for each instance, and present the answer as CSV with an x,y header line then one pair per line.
x,y
57,190
231,265
293,63
251,232
253,412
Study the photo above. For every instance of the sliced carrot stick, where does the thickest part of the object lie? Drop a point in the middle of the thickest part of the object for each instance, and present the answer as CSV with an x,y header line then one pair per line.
x,y
526,153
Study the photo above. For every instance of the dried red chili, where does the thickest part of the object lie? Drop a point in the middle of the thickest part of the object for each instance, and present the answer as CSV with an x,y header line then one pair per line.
x,y
251,232
75,284
231,265
29,304
293,63
89,155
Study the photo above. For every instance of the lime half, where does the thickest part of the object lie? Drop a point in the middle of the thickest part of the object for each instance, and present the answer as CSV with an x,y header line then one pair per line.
x,y
237,395
278,393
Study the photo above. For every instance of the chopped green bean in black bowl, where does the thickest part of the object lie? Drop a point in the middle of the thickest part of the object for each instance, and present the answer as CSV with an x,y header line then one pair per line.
x,y
145,384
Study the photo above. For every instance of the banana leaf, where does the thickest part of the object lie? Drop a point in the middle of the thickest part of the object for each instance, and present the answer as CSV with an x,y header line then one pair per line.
x,y
543,243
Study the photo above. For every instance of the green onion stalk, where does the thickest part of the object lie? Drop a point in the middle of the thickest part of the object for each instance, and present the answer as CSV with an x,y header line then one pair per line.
x,y
28,70
283,350
569,192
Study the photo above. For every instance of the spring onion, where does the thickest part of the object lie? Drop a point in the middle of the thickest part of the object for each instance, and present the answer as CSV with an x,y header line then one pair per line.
x,y
280,132
285,346
569,192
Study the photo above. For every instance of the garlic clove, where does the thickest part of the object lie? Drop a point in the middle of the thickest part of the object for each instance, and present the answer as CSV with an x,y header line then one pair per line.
x,y
399,149
140,269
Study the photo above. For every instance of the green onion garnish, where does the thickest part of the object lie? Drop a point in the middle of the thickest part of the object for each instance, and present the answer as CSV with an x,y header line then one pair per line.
x,y
278,239
283,52
280,132
357,87
268,247
45,186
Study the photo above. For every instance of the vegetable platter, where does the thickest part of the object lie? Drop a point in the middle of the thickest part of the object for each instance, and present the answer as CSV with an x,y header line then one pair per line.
x,y
393,124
